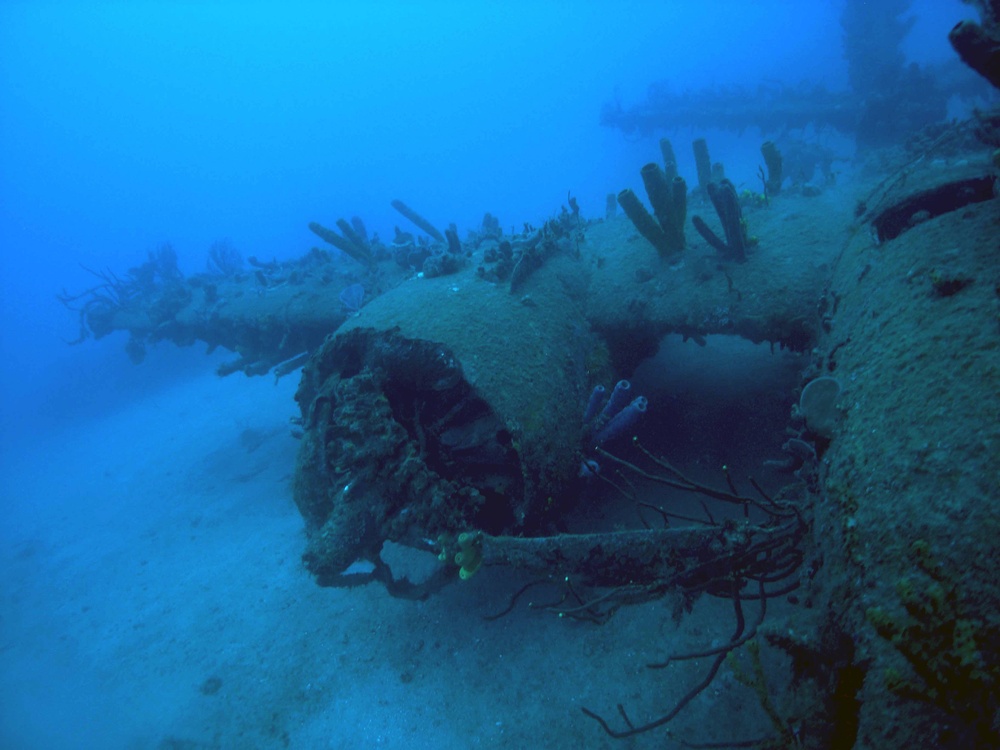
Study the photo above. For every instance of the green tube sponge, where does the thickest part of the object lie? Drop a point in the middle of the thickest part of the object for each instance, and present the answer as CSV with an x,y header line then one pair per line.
x,y
470,554
465,551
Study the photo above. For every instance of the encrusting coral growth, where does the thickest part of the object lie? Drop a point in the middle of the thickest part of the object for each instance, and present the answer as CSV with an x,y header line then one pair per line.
x,y
449,409
954,657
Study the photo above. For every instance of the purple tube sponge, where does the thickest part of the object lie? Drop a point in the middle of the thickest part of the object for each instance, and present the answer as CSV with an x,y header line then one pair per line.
x,y
616,402
623,422
596,401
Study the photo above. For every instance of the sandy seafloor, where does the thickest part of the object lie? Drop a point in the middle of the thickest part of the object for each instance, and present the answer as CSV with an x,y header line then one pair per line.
x,y
153,597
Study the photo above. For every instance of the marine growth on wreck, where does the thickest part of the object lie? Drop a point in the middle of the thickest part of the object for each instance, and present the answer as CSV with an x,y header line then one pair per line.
x,y
472,396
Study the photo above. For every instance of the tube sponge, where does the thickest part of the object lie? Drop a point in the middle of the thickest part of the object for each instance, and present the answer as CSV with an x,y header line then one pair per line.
x,y
727,206
623,422
418,220
702,162
644,222
470,554
668,196
772,159
345,244
617,401
596,401
669,160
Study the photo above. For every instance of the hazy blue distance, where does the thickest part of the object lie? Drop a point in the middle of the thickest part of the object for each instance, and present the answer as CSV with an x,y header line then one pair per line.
x,y
126,125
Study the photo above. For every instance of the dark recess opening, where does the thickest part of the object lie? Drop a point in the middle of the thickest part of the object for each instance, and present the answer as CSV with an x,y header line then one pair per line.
x,y
951,196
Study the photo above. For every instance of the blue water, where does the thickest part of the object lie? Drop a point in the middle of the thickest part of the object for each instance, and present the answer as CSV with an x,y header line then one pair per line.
x,y
127,125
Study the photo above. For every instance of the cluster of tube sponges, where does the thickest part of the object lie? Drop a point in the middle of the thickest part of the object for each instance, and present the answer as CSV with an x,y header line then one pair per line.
x,y
608,417
667,193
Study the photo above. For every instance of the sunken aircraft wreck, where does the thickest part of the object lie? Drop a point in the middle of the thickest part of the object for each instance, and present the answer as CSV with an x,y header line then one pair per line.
x,y
456,392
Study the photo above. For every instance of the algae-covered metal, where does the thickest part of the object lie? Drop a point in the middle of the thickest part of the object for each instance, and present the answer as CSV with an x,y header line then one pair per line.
x,y
444,407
